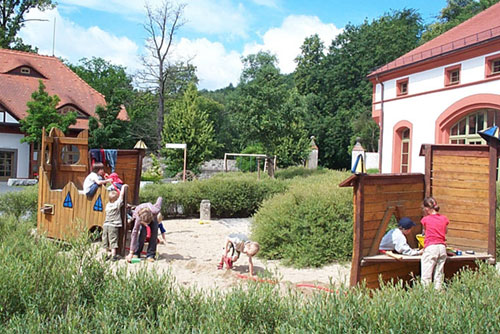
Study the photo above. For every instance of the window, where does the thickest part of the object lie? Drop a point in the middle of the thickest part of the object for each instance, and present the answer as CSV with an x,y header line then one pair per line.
x,y
466,130
402,87
70,154
405,151
452,75
8,164
79,114
492,65
25,70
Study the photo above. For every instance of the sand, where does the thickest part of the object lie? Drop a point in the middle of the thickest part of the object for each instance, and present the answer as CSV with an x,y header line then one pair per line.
x,y
193,250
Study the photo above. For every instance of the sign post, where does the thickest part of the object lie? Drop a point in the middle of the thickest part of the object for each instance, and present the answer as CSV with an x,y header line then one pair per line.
x,y
184,147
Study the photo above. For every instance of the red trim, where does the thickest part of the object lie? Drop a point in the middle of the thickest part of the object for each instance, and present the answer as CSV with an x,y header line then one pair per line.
x,y
447,75
397,132
441,60
492,78
488,62
460,109
399,83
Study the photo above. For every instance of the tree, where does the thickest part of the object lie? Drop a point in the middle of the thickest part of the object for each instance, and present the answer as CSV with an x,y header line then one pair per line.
x,y
266,111
162,24
110,80
106,130
142,112
12,19
42,113
188,123
455,12
308,73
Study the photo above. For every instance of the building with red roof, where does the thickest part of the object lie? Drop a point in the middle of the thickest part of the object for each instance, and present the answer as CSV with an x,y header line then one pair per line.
x,y
20,73
442,92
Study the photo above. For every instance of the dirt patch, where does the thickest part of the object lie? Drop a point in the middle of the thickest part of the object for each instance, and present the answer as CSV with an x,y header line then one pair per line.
x,y
193,250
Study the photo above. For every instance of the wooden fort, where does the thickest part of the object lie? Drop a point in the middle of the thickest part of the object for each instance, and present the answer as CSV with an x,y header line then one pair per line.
x,y
64,210
462,178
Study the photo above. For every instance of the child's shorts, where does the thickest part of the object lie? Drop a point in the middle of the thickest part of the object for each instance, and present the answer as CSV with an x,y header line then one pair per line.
x,y
110,236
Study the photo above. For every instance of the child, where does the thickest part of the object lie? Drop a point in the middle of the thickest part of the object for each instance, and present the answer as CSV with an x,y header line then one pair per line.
x,y
395,239
435,227
145,214
113,222
239,243
94,180
116,182
162,229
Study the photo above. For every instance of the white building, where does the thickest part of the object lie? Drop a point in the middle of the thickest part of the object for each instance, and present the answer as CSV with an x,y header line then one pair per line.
x,y
444,91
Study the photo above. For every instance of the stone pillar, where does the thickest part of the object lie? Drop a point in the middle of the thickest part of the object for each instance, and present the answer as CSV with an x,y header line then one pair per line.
x,y
312,160
356,151
205,210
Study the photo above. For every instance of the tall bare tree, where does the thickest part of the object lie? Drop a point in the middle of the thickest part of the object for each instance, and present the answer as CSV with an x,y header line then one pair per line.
x,y
163,22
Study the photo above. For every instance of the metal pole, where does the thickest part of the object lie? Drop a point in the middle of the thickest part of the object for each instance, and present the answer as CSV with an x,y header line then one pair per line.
x,y
54,38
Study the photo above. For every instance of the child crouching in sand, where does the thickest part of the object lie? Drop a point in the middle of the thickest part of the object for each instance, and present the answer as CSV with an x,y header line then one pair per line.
x,y
238,243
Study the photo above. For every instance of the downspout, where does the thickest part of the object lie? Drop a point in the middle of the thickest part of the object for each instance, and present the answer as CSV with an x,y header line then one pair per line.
x,y
381,137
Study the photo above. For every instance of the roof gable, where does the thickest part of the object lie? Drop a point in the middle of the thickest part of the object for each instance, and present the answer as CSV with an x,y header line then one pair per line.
x,y
16,90
483,27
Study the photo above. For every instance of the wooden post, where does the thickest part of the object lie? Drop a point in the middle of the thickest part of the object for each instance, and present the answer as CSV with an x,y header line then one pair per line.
x,y
122,237
258,168
493,156
358,230
428,170
225,162
185,158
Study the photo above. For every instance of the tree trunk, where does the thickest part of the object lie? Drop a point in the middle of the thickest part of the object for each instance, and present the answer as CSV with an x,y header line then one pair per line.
x,y
270,167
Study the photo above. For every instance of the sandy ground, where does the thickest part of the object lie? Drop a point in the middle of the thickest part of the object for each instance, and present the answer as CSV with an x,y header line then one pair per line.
x,y
193,250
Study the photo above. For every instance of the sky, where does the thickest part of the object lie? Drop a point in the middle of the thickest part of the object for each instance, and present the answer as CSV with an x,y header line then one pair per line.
x,y
215,34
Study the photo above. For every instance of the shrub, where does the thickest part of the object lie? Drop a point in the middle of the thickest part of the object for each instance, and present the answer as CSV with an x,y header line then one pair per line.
x,y
310,224
291,172
233,195
249,164
20,203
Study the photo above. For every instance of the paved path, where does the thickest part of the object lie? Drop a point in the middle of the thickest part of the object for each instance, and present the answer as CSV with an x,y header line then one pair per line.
x,y
5,188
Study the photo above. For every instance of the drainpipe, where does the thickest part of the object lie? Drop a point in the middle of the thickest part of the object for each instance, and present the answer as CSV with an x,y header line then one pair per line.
x,y
381,137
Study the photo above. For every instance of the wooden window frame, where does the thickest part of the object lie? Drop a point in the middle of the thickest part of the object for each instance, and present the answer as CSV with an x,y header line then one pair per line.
x,y
448,72
25,70
14,165
488,65
468,138
399,85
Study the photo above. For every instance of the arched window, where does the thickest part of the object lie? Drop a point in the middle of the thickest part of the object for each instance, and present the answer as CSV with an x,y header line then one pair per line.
x,y
405,151
465,131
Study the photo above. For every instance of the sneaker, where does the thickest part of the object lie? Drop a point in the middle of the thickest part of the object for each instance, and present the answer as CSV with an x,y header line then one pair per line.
x,y
150,259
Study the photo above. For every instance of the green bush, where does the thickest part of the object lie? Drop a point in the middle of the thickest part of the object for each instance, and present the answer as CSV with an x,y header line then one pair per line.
x,y
20,203
230,195
291,172
310,224
249,164
47,289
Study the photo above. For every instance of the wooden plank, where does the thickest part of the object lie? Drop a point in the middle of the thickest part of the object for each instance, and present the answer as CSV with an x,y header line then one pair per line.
x,y
479,195
392,179
473,235
467,203
458,176
492,200
467,243
469,169
381,230
380,206
461,160
467,226
73,141
477,185
357,230
401,196
466,218
475,153
407,187
409,212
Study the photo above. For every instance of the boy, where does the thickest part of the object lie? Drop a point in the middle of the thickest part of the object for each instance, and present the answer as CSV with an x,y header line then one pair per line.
x,y
113,222
94,179
395,239
239,243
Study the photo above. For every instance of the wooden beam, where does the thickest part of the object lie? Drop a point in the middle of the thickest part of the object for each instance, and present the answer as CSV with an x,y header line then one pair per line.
x,y
381,230
492,199
358,231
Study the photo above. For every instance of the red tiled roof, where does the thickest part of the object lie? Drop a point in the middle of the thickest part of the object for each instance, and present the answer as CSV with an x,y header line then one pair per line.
x,y
16,90
476,30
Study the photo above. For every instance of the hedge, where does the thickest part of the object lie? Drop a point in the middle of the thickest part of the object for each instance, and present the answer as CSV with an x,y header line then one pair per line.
x,y
310,224
21,203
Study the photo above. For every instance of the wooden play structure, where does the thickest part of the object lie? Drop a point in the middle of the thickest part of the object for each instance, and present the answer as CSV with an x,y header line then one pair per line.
x,y
462,178
64,210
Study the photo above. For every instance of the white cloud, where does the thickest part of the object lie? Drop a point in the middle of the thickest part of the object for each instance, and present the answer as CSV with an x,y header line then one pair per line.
x,y
216,67
286,40
267,3
74,42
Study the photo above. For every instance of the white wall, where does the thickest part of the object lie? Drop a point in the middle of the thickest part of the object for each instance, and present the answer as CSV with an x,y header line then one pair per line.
x,y
12,141
423,110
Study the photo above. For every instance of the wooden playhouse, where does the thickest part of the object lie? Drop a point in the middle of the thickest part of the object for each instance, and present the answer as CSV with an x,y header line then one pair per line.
x,y
64,210
462,178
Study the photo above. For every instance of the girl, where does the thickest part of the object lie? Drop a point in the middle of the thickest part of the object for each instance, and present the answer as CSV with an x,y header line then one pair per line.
x,y
435,227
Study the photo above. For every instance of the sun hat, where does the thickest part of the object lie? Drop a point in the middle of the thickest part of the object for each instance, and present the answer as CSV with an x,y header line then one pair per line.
x,y
406,223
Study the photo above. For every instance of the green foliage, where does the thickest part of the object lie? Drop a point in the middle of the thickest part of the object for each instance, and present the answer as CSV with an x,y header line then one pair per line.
x,y
13,19
45,288
310,224
20,203
155,172
232,195
292,172
107,131
142,110
267,111
249,164
188,123
455,12
42,113
110,80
